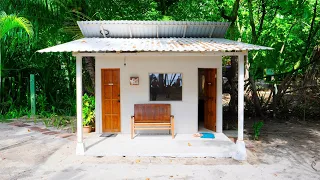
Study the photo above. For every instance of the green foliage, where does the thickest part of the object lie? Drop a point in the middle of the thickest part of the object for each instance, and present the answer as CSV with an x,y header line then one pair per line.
x,y
88,110
60,121
9,22
3,120
284,28
47,122
190,10
257,129
54,73
9,111
15,113
73,125
41,101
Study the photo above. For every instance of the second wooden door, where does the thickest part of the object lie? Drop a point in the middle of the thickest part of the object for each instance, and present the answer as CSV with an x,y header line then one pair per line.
x,y
210,99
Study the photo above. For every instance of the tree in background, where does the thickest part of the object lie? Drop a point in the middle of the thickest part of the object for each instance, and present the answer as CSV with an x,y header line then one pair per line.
x,y
292,32
7,23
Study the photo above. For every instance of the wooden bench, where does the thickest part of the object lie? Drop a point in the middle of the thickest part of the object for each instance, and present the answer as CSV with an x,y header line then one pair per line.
x,y
152,117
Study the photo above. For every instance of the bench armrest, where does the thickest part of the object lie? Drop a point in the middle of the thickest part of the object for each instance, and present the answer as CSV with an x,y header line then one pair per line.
x,y
172,116
132,116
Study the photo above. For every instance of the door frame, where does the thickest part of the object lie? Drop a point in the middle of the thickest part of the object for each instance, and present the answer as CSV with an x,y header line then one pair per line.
x,y
101,102
216,95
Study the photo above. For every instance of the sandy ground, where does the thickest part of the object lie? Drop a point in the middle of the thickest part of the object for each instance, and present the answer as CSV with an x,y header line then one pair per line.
x,y
286,151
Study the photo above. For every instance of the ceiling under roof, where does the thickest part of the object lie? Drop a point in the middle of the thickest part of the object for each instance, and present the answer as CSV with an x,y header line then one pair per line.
x,y
153,29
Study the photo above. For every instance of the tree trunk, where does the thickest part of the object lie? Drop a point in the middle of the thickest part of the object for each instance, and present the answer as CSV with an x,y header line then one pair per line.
x,y
0,75
255,36
247,67
255,97
163,7
282,89
90,68
232,78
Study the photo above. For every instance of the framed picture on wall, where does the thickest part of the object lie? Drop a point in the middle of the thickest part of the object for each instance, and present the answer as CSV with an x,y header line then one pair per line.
x,y
134,80
165,86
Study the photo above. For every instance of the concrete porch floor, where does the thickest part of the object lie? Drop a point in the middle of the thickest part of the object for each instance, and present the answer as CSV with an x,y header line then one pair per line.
x,y
184,145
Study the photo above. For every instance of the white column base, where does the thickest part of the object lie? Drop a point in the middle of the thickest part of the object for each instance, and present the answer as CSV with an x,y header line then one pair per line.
x,y
80,149
241,152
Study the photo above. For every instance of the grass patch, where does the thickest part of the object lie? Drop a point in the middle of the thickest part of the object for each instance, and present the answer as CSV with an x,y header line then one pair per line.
x,y
3,120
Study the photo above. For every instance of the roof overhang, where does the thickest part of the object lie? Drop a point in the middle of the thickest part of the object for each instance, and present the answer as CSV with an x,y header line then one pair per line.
x,y
104,45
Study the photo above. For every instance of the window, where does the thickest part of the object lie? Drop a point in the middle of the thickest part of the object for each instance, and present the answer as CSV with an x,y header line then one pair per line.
x,y
165,87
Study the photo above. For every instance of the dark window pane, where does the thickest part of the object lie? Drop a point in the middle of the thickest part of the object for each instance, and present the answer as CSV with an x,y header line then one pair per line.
x,y
165,87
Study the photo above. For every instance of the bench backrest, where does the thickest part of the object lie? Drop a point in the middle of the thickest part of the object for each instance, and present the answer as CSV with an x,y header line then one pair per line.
x,y
152,113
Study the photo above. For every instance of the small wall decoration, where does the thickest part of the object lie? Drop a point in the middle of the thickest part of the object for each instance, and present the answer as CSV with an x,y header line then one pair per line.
x,y
134,80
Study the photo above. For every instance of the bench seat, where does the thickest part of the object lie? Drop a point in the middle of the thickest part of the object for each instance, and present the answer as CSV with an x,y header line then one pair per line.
x,y
152,117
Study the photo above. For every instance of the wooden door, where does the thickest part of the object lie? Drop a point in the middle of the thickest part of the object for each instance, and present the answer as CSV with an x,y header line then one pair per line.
x,y
210,99
110,100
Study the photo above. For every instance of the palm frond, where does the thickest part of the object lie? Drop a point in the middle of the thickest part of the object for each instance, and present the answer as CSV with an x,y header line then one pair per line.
x,y
73,29
9,22
2,14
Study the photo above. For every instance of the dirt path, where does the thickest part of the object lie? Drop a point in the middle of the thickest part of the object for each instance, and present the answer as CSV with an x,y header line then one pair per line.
x,y
294,144
32,154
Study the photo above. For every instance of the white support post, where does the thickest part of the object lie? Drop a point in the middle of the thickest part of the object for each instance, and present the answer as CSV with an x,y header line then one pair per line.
x,y
240,96
219,108
80,145
240,153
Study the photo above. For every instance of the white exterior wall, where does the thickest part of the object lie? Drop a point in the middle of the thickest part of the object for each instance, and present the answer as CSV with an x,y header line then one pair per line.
x,y
185,111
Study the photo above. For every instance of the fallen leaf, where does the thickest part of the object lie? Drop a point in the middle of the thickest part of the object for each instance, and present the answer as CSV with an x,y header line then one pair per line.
x,y
138,161
28,130
189,144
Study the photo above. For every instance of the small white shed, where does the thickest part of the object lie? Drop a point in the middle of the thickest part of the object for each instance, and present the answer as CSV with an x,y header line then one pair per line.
x,y
172,62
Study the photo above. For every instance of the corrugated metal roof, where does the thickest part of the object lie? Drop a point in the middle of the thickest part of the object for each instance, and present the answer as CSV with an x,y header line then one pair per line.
x,y
153,29
153,45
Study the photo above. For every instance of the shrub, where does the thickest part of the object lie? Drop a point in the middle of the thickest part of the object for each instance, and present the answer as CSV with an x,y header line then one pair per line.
x,y
88,110
257,129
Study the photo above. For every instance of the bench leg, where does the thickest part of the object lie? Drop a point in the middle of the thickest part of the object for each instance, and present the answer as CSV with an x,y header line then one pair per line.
x,y
132,127
172,127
